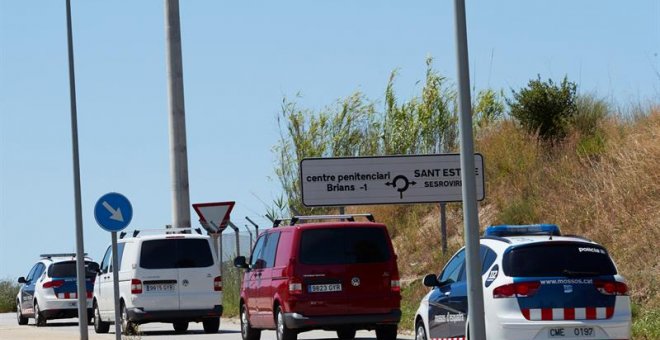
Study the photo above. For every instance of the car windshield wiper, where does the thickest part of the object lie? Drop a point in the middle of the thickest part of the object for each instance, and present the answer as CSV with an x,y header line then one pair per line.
x,y
573,273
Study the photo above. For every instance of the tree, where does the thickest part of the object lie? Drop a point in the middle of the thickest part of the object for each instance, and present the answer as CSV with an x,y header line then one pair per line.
x,y
545,107
427,123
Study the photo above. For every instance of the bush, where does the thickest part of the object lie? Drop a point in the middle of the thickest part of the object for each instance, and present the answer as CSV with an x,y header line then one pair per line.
x,y
8,290
647,325
231,287
587,123
545,108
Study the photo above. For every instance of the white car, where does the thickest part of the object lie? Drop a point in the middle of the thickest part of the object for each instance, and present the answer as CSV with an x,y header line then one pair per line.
x,y
49,291
536,284
171,277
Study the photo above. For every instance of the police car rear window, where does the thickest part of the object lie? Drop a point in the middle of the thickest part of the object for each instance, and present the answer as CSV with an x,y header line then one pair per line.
x,y
344,246
67,269
175,253
558,259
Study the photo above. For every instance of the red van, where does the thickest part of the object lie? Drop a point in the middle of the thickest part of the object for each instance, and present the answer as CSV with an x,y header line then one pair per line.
x,y
339,276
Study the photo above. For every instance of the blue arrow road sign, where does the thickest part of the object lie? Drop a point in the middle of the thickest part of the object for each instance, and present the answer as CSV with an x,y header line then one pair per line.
x,y
113,212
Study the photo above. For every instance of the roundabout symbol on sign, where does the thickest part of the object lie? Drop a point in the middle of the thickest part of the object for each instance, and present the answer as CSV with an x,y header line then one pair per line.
x,y
401,184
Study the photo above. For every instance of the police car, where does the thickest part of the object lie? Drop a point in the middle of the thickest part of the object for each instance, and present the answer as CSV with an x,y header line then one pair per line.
x,y
537,284
49,291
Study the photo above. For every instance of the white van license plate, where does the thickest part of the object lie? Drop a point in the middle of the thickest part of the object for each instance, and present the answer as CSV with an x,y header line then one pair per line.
x,y
571,332
160,287
333,287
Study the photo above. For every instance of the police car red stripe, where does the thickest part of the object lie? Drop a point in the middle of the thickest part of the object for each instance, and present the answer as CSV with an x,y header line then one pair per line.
x,y
550,314
72,295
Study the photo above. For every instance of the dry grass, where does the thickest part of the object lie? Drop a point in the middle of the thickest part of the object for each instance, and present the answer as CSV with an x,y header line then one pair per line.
x,y
610,194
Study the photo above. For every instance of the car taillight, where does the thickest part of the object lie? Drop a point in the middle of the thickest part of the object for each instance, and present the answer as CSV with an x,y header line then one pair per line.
x,y
290,270
611,287
136,286
518,289
53,284
295,286
395,285
217,284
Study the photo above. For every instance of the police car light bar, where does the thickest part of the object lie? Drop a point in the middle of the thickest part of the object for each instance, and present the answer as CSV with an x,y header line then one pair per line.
x,y
505,230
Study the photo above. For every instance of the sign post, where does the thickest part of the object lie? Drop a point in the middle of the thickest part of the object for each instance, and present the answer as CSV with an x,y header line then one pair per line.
x,y
386,180
113,212
214,217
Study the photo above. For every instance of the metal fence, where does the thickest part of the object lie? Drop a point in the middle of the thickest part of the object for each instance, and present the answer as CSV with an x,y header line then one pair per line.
x,y
228,243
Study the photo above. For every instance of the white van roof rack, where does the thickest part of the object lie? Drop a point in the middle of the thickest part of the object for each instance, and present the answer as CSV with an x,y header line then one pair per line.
x,y
349,217
50,256
137,232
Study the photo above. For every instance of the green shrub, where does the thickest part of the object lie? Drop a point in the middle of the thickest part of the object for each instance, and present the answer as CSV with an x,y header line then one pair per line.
x,y
519,211
589,115
545,108
587,123
591,145
231,287
8,290
647,325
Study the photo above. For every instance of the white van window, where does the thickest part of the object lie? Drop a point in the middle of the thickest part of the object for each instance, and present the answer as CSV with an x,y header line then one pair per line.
x,y
175,253
105,263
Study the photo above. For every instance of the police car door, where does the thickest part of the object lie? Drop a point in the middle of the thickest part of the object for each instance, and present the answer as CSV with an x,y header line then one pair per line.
x,y
27,291
448,302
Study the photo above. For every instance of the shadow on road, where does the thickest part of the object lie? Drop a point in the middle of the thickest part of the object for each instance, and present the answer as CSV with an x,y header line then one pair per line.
x,y
57,324
190,332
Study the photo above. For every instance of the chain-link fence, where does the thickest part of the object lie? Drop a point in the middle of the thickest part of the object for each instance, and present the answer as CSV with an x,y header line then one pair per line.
x,y
228,246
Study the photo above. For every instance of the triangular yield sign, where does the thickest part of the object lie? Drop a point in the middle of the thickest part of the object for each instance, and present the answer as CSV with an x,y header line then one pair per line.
x,y
216,214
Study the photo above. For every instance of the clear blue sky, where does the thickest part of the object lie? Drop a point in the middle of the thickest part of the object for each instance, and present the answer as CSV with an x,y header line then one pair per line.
x,y
240,59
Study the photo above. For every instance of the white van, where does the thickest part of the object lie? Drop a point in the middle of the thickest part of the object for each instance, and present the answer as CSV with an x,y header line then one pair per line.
x,y
173,277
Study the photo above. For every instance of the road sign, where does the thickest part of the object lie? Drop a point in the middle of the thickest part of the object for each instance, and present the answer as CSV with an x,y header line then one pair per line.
x,y
113,212
214,216
385,180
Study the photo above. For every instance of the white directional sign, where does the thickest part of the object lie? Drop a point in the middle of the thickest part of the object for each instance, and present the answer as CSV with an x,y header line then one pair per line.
x,y
388,179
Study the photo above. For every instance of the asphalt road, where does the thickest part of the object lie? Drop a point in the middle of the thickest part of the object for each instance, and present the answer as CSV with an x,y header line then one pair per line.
x,y
68,329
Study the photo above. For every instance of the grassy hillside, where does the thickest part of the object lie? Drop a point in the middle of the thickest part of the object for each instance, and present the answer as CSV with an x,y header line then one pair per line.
x,y
604,186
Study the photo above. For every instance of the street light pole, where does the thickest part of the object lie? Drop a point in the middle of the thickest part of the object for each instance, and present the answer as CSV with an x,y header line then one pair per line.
x,y
80,248
177,115
476,318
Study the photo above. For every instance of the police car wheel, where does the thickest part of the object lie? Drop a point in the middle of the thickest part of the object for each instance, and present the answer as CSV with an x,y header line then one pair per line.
x,y
420,331
19,315
39,318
